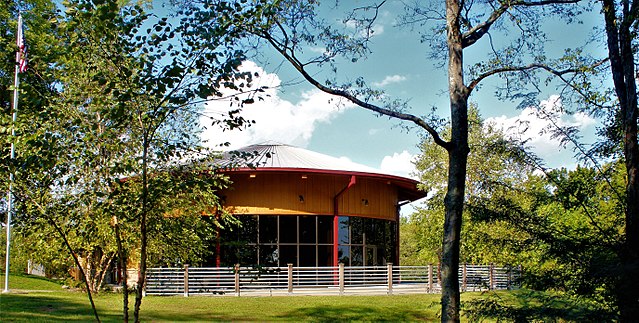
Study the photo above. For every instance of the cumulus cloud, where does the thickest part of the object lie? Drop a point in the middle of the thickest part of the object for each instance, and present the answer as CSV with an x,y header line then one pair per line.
x,y
390,79
275,118
400,164
531,127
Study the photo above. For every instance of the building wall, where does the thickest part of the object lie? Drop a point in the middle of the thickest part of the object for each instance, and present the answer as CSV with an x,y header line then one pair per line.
x,y
290,193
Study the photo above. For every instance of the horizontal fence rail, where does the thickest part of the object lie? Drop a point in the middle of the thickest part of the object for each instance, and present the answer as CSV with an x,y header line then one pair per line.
x,y
339,280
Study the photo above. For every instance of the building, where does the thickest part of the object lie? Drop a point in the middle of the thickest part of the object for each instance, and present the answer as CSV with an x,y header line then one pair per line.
x,y
307,209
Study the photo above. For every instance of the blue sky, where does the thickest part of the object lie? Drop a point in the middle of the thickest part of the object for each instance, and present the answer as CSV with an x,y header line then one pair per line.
x,y
300,115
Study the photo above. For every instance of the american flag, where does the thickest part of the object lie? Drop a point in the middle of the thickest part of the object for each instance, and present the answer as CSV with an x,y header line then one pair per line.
x,y
21,55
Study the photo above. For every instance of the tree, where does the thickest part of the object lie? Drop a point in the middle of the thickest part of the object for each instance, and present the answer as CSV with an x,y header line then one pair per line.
x,y
115,108
292,26
150,78
622,24
493,171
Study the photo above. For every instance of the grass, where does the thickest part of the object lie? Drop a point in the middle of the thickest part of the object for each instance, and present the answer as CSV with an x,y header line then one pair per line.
x,y
49,303
39,299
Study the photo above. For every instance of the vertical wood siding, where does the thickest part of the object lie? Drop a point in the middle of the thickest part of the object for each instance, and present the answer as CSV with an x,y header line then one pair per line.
x,y
279,193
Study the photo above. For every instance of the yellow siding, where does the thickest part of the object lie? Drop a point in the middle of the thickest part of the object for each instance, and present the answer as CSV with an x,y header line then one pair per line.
x,y
279,193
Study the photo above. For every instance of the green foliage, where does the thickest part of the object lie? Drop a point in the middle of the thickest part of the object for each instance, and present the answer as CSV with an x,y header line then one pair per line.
x,y
492,170
532,306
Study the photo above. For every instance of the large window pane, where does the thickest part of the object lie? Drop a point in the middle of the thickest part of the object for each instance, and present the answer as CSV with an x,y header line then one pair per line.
x,y
307,256
288,229
357,256
357,231
343,255
268,229
374,230
248,230
269,255
324,255
307,229
325,229
288,255
344,235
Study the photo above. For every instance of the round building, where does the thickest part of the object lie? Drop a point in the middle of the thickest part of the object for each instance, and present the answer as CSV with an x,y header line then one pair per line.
x,y
311,210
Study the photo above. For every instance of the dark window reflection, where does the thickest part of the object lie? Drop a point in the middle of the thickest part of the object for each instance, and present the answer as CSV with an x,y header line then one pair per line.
x,y
357,231
288,229
307,256
269,256
271,240
248,231
268,229
357,256
324,256
307,229
325,229
343,255
344,234
288,255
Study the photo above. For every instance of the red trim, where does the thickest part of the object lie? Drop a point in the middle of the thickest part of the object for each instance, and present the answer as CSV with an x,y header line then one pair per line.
x,y
336,219
320,171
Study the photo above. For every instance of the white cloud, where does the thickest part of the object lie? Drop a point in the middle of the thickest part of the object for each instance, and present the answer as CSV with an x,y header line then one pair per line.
x,y
531,127
390,79
275,118
400,164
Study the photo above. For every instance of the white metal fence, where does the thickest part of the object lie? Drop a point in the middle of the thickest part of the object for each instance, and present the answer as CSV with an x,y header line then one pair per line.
x,y
339,280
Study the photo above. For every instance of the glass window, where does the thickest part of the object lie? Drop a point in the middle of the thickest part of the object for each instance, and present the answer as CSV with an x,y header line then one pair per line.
x,y
344,236
269,255
288,229
325,229
307,256
307,229
357,256
324,256
288,255
268,229
374,230
343,255
357,231
248,231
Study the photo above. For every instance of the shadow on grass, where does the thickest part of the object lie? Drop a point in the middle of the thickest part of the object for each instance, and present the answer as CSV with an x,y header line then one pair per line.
x,y
37,307
527,306
357,313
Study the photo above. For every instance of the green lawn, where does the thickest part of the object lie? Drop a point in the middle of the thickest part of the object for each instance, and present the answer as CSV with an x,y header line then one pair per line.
x,y
51,303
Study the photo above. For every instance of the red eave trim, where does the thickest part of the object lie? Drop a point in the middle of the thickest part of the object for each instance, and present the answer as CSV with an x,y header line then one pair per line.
x,y
320,171
402,182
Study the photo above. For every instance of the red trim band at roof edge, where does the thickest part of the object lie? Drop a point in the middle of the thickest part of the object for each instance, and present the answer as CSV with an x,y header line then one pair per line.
x,y
320,171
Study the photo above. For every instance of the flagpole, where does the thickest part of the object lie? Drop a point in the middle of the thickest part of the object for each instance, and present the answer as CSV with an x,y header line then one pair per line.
x,y
16,85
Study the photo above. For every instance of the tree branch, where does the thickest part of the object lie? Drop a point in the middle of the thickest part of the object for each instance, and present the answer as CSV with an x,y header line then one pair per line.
x,y
477,32
299,66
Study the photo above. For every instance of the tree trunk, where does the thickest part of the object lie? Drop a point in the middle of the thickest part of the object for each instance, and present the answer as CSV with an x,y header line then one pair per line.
x,y
457,160
619,39
122,260
143,237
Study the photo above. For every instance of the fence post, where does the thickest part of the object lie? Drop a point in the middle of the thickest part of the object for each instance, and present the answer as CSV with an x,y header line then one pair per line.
x,y
439,274
464,278
341,278
491,276
290,278
430,278
509,277
186,280
389,277
237,279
